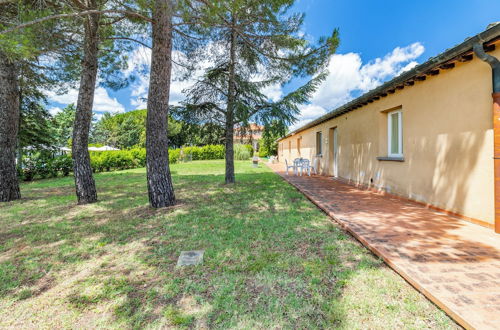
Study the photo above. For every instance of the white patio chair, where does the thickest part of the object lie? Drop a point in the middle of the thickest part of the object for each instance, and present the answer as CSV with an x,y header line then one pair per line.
x,y
289,166
306,165
297,164
314,166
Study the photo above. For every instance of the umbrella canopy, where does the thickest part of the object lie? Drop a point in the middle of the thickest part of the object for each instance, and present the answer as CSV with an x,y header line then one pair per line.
x,y
104,148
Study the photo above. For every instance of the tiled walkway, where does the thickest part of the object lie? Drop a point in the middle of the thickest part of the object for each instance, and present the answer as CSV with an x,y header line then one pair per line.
x,y
456,264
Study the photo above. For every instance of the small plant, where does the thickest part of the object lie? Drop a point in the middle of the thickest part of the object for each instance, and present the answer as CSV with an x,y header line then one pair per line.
x,y
24,294
64,164
176,317
241,152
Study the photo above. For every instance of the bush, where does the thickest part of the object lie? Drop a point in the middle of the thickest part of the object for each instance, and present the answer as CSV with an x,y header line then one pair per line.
x,y
139,155
96,162
174,155
264,151
241,152
63,164
39,164
197,153
114,160
121,160
212,152
249,148
28,169
45,165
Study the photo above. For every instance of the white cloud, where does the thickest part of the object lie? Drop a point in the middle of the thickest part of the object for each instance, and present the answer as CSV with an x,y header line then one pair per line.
x,y
311,111
102,101
54,110
97,116
71,96
349,76
308,112
139,63
273,92
407,67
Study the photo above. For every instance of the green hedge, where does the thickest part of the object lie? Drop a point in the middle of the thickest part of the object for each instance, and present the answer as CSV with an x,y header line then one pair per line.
x,y
44,166
204,153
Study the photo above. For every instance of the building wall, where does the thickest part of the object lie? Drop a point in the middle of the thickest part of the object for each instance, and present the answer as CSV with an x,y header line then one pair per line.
x,y
447,142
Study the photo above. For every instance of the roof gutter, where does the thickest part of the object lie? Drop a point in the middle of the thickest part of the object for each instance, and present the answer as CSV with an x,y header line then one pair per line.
x,y
451,54
492,61
495,71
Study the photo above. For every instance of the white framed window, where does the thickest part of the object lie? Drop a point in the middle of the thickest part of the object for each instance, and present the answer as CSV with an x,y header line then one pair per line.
x,y
319,143
395,133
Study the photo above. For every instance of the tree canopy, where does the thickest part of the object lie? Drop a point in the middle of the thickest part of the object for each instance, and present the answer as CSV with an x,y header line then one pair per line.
x,y
252,45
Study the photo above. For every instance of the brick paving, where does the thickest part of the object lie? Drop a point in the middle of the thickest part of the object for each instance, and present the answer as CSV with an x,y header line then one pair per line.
x,y
455,263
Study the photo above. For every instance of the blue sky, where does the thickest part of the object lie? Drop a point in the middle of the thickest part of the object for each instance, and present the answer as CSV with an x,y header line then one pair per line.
x,y
378,40
373,28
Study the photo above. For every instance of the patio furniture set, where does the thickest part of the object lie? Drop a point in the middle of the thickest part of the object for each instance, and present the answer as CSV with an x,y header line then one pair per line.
x,y
300,165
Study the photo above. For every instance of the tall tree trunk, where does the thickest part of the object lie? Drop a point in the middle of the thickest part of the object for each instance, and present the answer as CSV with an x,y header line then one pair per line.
x,y
160,188
9,128
84,181
230,107
229,147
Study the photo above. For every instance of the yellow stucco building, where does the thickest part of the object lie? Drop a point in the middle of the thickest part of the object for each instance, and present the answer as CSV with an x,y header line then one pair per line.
x,y
427,135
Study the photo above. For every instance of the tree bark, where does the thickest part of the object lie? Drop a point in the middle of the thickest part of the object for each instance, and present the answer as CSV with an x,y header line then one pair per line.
x,y
160,188
229,147
9,129
230,108
84,181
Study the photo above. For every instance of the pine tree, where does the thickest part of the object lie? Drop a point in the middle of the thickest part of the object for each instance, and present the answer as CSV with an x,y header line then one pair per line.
x,y
252,45
9,119
160,187
95,37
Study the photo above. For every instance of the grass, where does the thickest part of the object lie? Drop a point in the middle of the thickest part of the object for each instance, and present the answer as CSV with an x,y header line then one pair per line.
x,y
272,259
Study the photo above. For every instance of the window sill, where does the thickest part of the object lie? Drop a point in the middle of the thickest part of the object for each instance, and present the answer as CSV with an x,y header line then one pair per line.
x,y
391,159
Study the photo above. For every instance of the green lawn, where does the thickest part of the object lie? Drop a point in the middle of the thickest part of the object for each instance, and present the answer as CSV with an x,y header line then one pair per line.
x,y
272,259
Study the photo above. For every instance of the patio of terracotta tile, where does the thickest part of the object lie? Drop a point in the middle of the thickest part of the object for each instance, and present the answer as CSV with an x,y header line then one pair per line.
x,y
455,263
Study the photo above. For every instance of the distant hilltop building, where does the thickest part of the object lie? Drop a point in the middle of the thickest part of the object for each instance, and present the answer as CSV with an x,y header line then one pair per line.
x,y
250,134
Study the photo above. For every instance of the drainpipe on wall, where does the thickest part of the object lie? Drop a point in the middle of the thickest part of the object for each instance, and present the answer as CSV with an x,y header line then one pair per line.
x,y
495,66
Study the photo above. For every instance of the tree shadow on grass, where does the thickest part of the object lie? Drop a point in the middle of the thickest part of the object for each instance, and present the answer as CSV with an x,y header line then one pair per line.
x,y
272,259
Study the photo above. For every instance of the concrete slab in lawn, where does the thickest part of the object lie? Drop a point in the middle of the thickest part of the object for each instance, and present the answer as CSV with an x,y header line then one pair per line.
x,y
190,258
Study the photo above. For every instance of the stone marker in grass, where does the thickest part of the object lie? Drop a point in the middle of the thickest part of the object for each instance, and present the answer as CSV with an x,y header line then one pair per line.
x,y
189,258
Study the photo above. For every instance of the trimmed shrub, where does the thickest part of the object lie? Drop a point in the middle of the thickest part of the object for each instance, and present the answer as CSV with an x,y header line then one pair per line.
x,y
139,155
45,165
212,152
207,152
174,155
97,163
112,160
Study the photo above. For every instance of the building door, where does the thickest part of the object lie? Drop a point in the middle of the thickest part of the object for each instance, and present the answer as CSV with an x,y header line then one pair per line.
x,y
334,151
